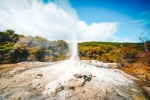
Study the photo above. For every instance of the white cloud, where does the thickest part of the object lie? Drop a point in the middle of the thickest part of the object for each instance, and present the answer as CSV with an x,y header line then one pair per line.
x,y
143,18
127,39
52,21
97,31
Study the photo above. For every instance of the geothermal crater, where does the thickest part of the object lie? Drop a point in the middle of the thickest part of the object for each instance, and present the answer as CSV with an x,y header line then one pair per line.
x,y
68,80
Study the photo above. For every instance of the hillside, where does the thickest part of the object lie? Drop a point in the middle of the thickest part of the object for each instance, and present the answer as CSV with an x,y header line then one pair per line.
x,y
17,48
115,52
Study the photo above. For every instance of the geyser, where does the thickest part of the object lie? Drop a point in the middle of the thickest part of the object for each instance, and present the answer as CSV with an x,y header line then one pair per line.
x,y
74,60
74,46
68,80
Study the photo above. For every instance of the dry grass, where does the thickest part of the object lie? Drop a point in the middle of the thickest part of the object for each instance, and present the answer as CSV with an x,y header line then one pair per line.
x,y
7,67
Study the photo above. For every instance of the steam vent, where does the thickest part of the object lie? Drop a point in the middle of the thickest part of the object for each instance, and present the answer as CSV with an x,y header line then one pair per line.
x,y
68,80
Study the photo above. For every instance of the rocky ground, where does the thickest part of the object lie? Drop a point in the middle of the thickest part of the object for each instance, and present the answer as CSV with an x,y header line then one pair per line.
x,y
69,80
143,75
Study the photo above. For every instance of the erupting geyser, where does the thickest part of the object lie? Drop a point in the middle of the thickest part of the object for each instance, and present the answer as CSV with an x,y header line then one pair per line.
x,y
74,44
74,60
68,80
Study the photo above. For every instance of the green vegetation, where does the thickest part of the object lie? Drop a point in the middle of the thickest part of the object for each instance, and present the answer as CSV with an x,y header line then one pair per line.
x,y
16,48
122,53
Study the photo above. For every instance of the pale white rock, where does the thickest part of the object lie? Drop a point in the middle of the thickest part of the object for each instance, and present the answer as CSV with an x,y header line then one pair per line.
x,y
59,81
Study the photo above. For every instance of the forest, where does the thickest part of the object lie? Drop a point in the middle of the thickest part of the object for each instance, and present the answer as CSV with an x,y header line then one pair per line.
x,y
17,48
115,52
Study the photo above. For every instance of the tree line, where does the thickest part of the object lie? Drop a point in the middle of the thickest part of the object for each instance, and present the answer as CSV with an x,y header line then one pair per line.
x,y
16,48
115,52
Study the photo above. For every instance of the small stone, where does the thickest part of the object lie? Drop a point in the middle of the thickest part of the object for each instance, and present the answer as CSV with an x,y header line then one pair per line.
x,y
72,87
147,89
39,75
83,91
135,97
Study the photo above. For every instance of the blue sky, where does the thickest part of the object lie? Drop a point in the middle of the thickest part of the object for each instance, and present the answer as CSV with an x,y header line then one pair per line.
x,y
87,20
133,16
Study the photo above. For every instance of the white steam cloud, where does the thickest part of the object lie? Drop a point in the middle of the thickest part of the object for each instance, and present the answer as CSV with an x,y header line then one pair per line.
x,y
54,20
